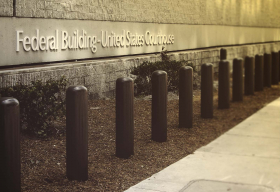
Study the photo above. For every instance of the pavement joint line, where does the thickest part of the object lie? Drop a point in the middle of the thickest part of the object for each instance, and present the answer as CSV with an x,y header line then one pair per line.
x,y
253,136
149,189
162,180
233,154
220,181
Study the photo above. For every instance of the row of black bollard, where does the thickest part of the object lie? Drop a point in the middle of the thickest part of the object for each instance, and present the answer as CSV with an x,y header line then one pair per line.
x,y
125,103
77,125
124,112
76,139
124,108
259,72
266,70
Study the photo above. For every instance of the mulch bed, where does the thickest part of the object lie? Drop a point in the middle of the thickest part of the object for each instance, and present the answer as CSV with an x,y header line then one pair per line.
x,y
44,165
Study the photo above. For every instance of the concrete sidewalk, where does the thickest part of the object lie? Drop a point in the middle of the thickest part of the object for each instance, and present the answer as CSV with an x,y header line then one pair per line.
x,y
244,159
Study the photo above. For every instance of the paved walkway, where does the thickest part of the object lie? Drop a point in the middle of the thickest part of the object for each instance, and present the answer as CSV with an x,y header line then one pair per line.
x,y
244,159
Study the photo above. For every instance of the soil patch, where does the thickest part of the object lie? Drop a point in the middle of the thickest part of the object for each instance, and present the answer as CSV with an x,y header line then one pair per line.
x,y
44,164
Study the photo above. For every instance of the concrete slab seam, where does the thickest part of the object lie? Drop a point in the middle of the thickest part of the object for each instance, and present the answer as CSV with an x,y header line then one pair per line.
x,y
243,135
198,180
232,154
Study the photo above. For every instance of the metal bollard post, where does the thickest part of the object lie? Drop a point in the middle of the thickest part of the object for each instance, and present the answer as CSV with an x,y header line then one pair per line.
x,y
159,106
9,145
124,117
224,85
258,72
237,80
279,64
186,97
267,70
275,68
207,90
249,76
223,54
77,133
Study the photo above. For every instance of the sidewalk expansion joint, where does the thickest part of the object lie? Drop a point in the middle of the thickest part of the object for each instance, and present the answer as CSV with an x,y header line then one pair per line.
x,y
253,136
232,154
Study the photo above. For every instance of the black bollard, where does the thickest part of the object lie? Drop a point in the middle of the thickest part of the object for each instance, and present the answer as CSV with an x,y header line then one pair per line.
x,y
279,64
224,85
267,70
186,97
237,80
159,106
124,117
249,76
207,90
77,133
223,54
275,68
10,166
258,72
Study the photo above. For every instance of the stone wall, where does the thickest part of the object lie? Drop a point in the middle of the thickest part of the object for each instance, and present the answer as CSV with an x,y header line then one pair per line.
x,y
6,7
261,13
99,76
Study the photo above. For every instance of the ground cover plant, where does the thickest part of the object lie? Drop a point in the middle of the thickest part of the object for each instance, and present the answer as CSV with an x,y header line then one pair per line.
x,y
41,103
144,72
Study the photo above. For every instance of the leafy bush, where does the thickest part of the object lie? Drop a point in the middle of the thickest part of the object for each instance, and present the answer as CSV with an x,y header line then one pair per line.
x,y
40,104
144,72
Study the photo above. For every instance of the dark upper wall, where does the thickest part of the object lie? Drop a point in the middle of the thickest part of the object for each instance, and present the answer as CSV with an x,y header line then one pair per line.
x,y
261,13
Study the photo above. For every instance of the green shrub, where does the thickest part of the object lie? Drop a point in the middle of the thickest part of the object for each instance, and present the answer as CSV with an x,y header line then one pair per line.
x,y
40,104
144,72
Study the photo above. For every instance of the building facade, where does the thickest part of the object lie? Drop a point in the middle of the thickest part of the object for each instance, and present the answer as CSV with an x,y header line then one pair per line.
x,y
94,42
